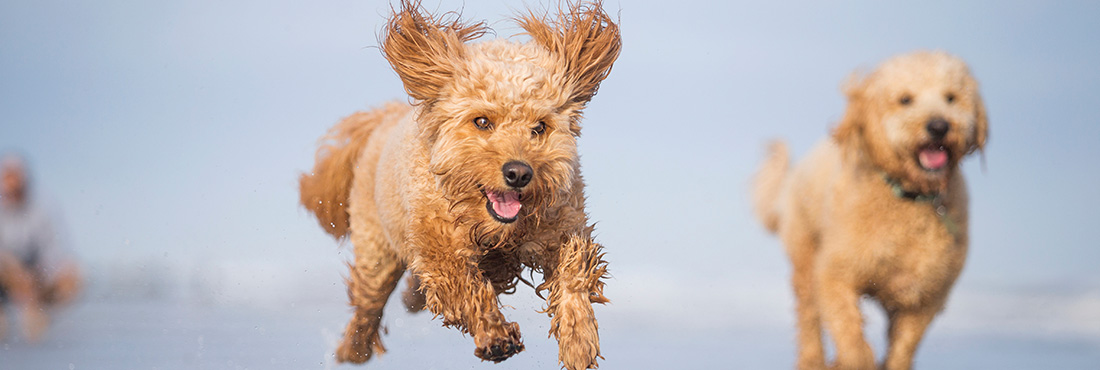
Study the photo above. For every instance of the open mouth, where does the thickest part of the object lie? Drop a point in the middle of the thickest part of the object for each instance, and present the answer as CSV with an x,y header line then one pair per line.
x,y
504,206
933,157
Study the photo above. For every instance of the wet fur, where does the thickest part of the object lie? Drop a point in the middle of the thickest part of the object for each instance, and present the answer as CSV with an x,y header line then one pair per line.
x,y
406,182
848,235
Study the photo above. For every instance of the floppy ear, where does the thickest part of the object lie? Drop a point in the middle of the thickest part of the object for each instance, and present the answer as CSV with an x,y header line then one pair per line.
x,y
981,124
584,38
424,49
848,133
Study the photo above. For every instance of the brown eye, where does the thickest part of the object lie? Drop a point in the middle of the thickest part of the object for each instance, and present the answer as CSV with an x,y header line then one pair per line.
x,y
905,99
950,97
482,123
539,129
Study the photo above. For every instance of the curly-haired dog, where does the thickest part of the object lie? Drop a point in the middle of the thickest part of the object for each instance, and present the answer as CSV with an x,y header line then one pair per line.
x,y
880,209
475,181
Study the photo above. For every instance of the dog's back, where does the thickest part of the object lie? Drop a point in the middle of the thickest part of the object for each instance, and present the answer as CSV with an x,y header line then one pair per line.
x,y
325,190
778,180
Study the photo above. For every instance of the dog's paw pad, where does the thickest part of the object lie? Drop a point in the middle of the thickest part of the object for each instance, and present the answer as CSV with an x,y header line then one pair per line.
x,y
500,350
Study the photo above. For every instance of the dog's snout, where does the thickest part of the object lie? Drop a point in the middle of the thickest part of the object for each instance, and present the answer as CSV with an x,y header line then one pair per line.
x,y
517,174
937,127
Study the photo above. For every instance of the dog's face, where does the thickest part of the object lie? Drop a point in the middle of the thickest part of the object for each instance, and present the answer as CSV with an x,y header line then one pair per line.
x,y
500,131
500,119
915,118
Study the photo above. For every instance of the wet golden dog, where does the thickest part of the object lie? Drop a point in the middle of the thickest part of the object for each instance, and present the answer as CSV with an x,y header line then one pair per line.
x,y
473,182
879,209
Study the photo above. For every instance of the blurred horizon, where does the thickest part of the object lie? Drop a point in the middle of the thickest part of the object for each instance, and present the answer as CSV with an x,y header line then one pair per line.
x,y
170,137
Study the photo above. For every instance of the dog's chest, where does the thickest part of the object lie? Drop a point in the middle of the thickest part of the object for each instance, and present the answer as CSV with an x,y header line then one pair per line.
x,y
915,260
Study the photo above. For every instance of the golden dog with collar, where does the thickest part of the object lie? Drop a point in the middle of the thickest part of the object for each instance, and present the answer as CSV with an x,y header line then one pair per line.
x,y
879,209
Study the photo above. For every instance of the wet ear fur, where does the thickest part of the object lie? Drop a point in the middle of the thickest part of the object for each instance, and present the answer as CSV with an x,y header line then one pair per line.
x,y
585,39
424,49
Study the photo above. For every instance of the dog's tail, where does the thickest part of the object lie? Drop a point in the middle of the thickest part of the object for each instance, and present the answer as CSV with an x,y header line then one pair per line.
x,y
768,182
326,189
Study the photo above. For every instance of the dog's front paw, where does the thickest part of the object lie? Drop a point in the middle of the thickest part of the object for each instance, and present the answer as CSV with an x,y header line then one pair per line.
x,y
579,344
499,351
500,348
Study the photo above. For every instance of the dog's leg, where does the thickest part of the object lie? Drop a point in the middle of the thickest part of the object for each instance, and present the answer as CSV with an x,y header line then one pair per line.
x,y
906,329
575,284
840,310
455,289
372,278
811,352
413,298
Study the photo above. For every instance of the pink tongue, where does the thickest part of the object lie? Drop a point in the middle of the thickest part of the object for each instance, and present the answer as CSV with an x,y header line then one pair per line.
x,y
933,159
505,204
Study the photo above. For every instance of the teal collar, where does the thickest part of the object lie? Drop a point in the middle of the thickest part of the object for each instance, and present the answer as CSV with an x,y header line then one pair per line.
x,y
900,192
934,198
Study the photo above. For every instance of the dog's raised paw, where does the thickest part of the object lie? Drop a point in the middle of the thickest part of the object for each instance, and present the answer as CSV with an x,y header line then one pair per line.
x,y
501,349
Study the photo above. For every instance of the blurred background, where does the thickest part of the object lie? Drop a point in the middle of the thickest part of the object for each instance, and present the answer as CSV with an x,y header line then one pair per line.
x,y
170,135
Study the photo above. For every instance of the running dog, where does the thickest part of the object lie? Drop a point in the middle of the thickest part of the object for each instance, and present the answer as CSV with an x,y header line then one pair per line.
x,y
879,209
473,182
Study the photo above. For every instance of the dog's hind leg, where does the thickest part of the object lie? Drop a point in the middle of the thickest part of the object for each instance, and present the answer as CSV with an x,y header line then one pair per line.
x,y
800,248
372,278
906,329
574,282
413,298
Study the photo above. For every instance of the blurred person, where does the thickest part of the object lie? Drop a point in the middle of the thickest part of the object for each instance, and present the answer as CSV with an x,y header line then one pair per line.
x,y
35,272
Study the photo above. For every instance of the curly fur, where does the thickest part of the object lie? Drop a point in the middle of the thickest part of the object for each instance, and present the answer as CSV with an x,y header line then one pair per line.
x,y
325,190
408,183
850,232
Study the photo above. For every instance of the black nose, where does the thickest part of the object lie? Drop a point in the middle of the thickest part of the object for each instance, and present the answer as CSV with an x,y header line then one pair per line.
x,y
517,174
937,127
